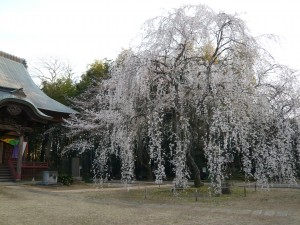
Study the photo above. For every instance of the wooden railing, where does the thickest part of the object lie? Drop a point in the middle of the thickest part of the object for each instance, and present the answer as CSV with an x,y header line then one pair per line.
x,y
40,165
12,164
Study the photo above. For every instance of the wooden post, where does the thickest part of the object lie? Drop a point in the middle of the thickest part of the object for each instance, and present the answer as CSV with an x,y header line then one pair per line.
x,y
145,193
1,152
20,156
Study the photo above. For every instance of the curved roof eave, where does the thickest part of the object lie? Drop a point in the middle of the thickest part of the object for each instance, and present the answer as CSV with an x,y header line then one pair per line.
x,y
26,102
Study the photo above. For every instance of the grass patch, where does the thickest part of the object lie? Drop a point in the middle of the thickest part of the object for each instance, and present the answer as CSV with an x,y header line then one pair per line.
x,y
35,205
165,195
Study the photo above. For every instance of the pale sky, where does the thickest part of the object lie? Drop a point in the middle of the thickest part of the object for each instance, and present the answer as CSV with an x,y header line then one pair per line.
x,y
81,31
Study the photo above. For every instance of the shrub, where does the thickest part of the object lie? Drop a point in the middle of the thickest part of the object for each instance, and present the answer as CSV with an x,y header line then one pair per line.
x,y
65,179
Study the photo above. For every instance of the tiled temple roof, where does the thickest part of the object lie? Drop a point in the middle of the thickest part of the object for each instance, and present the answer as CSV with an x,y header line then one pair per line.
x,y
17,85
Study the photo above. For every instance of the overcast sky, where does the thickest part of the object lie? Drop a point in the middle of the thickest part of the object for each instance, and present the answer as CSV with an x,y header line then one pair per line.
x,y
81,31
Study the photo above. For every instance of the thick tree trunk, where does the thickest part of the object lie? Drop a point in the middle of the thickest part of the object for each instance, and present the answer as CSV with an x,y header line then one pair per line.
x,y
194,168
149,172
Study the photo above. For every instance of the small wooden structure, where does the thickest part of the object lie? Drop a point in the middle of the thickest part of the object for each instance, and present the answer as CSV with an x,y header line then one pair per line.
x,y
23,107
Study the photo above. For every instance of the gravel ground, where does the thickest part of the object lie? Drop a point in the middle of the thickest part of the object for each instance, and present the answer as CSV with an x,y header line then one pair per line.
x,y
85,204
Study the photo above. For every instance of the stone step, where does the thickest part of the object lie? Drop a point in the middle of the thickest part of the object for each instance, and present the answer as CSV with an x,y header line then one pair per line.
x,y
5,174
6,180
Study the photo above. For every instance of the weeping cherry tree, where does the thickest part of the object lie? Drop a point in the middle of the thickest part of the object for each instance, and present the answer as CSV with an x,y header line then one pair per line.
x,y
196,81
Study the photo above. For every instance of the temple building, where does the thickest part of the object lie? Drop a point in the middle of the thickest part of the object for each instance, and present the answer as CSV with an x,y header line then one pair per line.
x,y
23,108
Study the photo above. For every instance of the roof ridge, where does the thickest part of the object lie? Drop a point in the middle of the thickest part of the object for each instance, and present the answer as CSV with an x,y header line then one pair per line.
x,y
14,58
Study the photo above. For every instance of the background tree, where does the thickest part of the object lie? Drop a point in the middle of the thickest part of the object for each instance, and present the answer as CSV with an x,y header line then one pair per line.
x,y
62,90
57,82
56,78
96,72
50,69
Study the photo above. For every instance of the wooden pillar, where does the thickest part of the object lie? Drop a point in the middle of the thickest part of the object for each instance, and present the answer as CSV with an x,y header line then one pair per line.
x,y
1,152
20,156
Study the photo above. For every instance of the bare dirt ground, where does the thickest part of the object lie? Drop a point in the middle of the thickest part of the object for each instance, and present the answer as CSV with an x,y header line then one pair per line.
x,y
144,204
